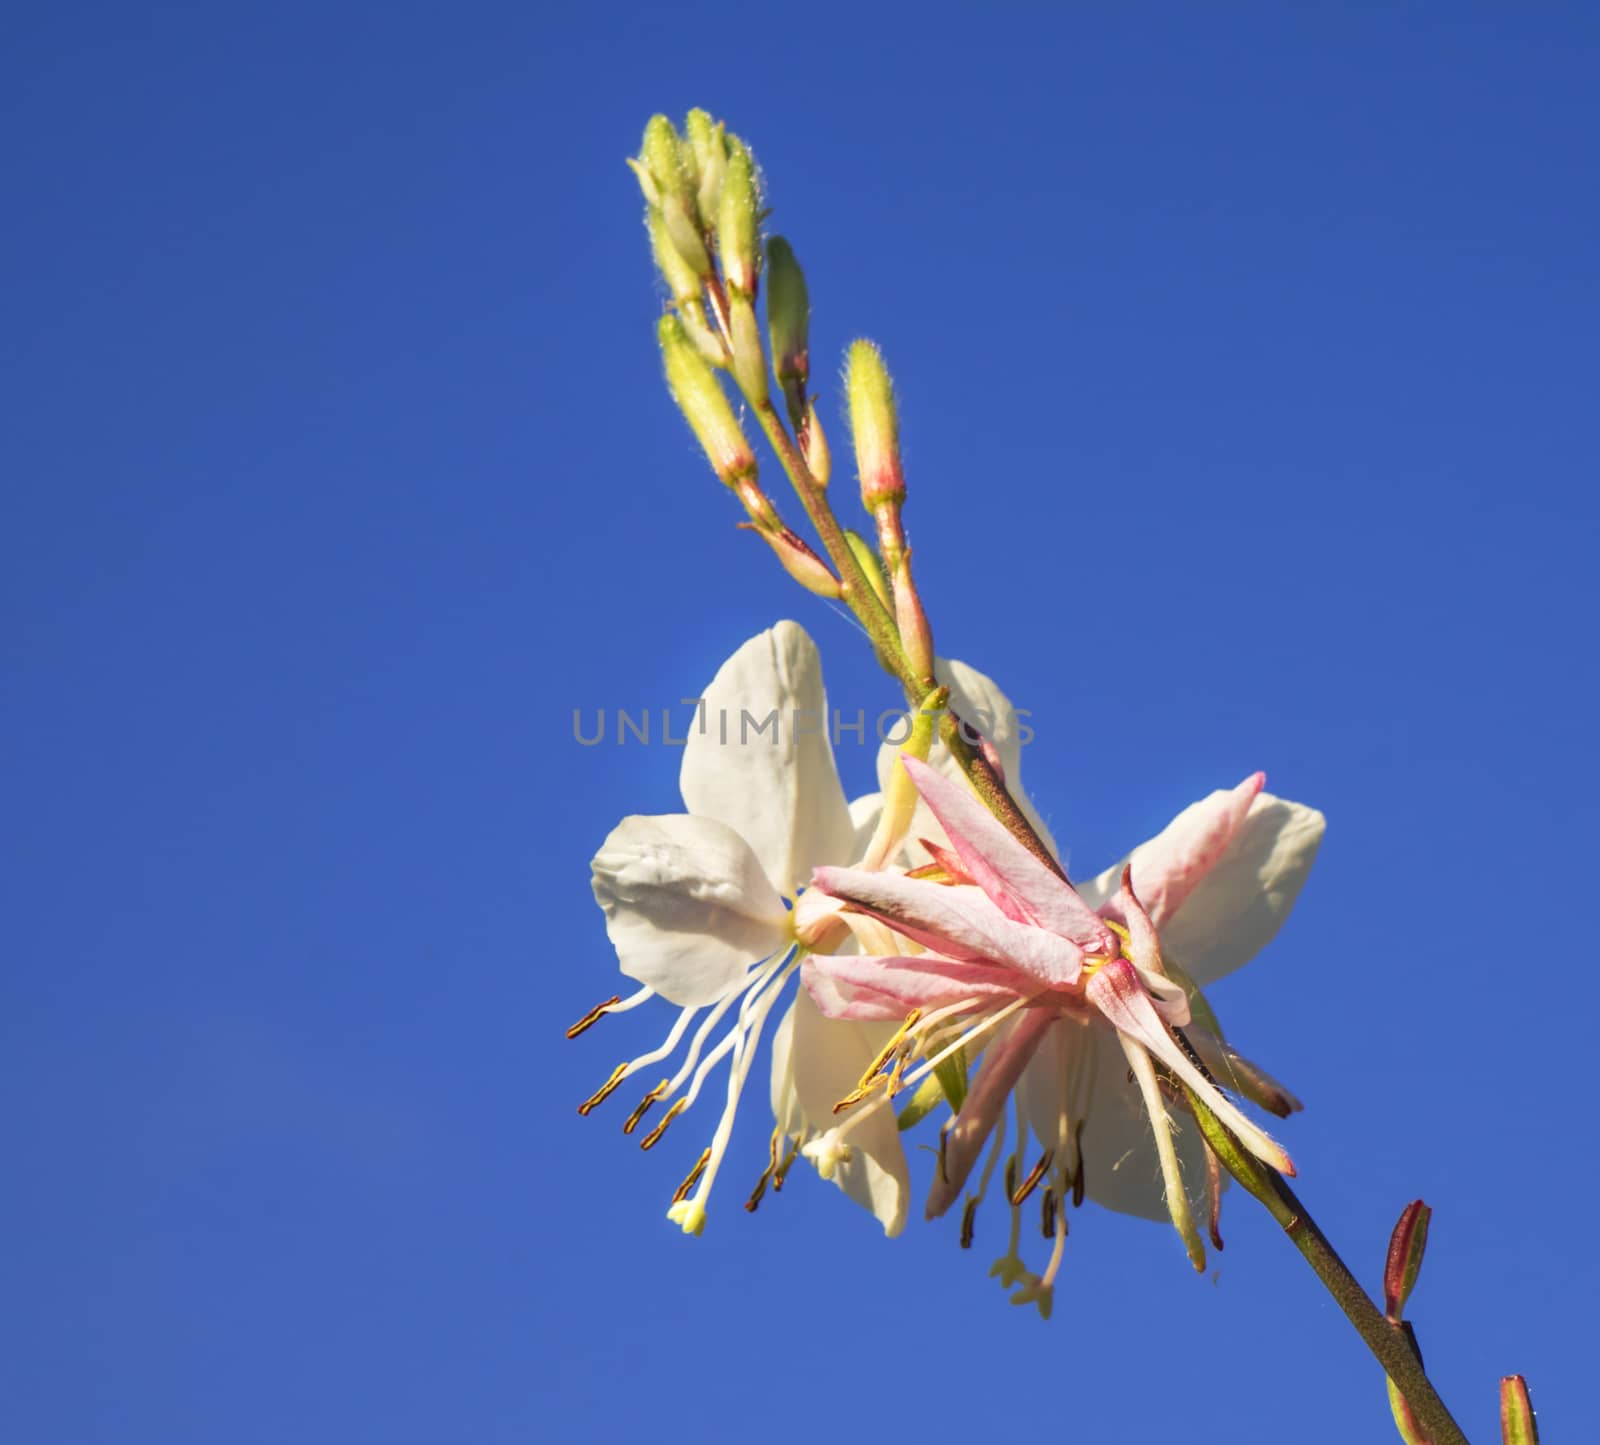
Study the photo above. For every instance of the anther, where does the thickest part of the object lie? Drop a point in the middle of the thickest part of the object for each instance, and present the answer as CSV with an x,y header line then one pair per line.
x,y
860,1092
590,1019
1011,1176
1028,1185
1047,1214
1077,1153
760,1189
693,1176
605,1090
944,1135
651,1139
969,1218
644,1105
782,1171
865,1086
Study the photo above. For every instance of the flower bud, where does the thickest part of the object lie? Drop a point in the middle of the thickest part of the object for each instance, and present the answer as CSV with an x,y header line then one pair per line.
x,y
814,447
1406,1245
675,271
738,215
701,400
788,325
709,159
801,563
1517,1424
661,170
875,429
900,794
749,364
867,561
916,638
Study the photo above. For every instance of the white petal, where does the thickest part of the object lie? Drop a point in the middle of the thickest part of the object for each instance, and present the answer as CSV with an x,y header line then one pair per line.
x,y
687,906
864,814
977,701
1239,905
817,1061
1121,1168
758,757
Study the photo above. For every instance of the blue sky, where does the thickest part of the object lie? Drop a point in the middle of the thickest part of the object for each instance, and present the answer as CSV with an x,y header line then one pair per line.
x,y
1247,357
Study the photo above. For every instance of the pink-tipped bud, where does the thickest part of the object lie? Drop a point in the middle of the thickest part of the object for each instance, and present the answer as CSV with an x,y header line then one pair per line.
x,y
801,563
916,637
1404,1262
694,387
876,432
1517,1423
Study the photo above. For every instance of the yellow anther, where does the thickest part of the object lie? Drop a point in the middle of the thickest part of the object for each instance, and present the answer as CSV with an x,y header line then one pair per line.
x,y
651,1139
1028,1185
693,1177
969,1219
590,1019
605,1090
865,1086
644,1105
856,1095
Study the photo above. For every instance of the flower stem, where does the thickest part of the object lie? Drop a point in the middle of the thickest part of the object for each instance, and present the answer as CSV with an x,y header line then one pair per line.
x,y
1388,1345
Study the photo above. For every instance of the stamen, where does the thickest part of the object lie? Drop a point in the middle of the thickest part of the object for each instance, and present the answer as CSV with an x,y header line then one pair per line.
x,y
888,1049
693,1176
590,1019
944,1134
644,1105
1047,1212
782,1171
1020,1196
1078,1185
605,1090
653,1138
969,1216
760,1189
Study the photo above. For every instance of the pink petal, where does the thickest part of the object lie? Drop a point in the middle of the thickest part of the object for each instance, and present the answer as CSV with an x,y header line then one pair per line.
x,y
854,986
1116,991
957,920
1021,886
1167,868
1003,1064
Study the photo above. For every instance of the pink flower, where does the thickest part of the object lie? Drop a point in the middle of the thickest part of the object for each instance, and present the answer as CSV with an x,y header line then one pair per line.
x,y
1004,954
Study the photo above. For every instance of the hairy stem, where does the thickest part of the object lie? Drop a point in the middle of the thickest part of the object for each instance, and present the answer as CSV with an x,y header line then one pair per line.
x,y
1388,1345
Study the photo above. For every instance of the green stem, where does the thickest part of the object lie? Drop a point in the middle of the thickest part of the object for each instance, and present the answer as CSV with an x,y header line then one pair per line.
x,y
1388,1345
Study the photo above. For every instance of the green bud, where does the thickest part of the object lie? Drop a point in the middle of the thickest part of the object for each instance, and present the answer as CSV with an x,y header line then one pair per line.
x,y
749,365
874,426
709,151
814,446
675,271
788,326
694,387
738,220
660,168
868,561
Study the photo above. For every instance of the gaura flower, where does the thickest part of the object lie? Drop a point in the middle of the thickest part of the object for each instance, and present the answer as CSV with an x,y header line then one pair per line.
x,y
699,906
1051,983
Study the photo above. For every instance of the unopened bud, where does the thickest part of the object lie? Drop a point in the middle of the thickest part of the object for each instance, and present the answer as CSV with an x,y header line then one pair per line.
x,y
1517,1423
916,638
675,271
738,218
788,326
660,169
1406,1245
801,563
876,431
749,364
814,447
900,794
709,159
867,561
701,400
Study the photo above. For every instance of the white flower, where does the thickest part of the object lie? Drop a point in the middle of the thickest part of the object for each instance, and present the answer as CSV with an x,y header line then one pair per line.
x,y
699,908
